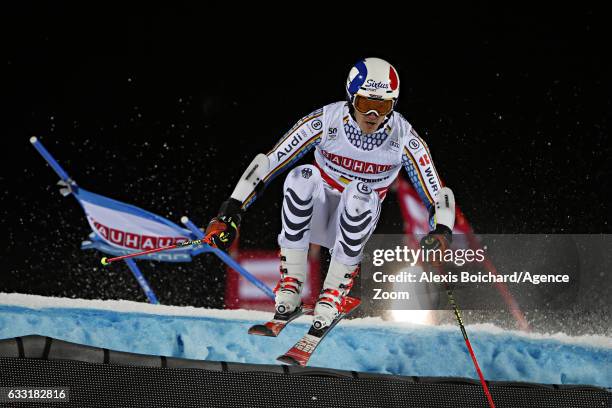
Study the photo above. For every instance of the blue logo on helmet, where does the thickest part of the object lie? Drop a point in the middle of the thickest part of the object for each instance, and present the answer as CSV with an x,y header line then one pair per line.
x,y
359,78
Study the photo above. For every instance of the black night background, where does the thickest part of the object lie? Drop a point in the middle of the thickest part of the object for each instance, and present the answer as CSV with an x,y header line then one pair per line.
x,y
164,107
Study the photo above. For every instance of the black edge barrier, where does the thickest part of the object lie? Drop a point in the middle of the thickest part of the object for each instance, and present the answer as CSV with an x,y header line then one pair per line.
x,y
108,378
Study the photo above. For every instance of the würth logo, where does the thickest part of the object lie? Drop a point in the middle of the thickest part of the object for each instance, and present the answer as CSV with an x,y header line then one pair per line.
x,y
357,166
135,241
431,179
424,160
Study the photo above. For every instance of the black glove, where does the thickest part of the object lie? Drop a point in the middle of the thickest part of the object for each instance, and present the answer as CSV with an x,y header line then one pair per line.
x,y
440,238
222,230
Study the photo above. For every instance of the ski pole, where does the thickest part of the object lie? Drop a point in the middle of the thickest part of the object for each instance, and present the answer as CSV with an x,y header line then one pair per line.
x,y
107,261
451,299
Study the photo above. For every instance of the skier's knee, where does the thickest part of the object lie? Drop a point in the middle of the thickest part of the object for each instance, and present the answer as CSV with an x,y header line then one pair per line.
x,y
303,181
360,199
356,223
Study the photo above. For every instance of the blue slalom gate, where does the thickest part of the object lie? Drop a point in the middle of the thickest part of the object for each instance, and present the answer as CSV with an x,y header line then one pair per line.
x,y
120,229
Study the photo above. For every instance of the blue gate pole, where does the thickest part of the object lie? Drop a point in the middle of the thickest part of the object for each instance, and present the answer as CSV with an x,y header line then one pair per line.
x,y
228,259
142,281
47,156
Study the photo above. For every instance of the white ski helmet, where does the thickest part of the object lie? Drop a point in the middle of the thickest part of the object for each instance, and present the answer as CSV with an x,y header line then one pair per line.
x,y
374,79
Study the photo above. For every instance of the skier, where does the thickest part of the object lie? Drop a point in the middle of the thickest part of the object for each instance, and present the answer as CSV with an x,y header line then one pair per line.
x,y
360,145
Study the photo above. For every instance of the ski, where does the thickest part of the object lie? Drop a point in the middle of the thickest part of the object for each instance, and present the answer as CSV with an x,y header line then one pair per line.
x,y
301,352
273,327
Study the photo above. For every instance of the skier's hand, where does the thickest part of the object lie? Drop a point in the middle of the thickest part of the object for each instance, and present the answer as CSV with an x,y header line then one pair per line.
x,y
223,229
221,232
438,239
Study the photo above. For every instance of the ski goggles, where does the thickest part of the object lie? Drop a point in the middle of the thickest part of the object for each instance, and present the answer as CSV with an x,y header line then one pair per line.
x,y
365,105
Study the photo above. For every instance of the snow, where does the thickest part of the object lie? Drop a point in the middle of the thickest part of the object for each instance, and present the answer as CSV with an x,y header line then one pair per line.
x,y
368,344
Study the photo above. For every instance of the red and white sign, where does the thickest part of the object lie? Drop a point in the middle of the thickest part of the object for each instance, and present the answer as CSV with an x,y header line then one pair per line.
x,y
416,216
130,231
134,241
265,265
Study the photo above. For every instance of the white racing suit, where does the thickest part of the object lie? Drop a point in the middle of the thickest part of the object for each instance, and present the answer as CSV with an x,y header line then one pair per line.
x,y
336,201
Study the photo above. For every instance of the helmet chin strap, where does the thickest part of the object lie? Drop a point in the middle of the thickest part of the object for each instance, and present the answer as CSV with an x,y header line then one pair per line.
x,y
386,120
